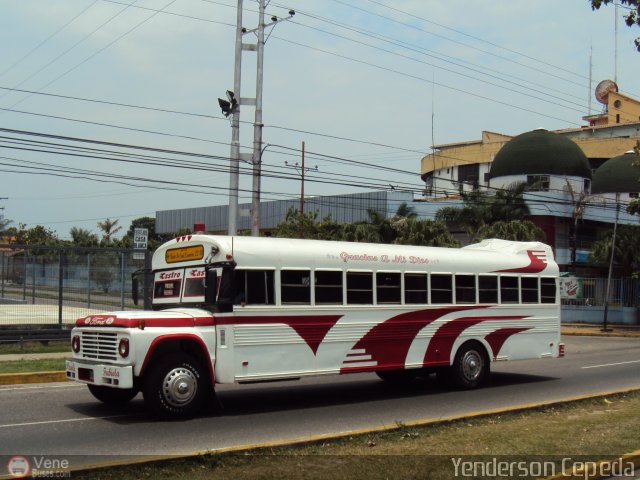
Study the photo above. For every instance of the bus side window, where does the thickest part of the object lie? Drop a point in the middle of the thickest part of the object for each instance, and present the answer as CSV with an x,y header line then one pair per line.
x,y
253,287
388,287
509,290
488,286
328,287
416,288
295,286
529,287
360,288
441,288
465,289
548,290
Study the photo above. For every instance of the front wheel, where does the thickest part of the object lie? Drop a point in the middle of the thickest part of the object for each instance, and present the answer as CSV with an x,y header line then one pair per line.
x,y
470,367
116,397
176,387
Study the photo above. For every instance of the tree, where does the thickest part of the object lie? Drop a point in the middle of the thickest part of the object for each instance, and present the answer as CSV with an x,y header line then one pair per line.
x,y
480,209
429,233
37,235
4,223
109,228
627,249
325,229
154,239
631,18
82,237
517,230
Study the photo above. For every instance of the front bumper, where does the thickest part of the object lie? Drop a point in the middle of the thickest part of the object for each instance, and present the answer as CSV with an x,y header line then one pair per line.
x,y
116,376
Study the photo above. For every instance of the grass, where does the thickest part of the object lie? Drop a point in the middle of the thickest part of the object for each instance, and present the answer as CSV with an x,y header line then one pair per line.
x,y
588,429
42,365
35,347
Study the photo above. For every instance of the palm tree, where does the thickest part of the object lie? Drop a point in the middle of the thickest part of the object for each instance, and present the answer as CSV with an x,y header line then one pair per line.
x,y
83,238
110,228
480,209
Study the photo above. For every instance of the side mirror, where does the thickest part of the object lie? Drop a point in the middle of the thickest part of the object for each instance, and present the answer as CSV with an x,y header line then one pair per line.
x,y
211,287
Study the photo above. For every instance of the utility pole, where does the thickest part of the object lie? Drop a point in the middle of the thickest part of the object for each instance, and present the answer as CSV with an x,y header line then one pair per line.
x,y
257,128
234,170
232,108
302,195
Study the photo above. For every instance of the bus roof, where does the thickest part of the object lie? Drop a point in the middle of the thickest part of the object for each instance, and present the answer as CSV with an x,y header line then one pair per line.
x,y
265,252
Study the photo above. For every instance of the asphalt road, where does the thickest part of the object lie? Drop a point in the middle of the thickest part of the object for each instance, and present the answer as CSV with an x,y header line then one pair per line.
x,y
63,420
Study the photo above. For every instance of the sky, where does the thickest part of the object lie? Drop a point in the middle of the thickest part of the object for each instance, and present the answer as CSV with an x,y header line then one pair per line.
x,y
118,115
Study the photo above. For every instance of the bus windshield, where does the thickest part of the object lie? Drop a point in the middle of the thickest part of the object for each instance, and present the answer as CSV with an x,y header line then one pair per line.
x,y
181,285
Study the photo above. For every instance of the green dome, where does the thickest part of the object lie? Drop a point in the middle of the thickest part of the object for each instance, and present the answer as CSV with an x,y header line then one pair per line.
x,y
540,152
618,175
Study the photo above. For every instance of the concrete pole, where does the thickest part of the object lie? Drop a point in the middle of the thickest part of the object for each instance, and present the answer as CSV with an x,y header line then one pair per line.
x,y
257,128
613,249
234,170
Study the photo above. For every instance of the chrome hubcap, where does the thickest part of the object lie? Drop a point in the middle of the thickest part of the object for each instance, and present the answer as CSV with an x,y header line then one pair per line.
x,y
471,365
179,387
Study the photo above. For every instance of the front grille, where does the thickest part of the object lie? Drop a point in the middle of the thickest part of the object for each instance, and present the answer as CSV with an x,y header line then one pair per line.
x,y
99,345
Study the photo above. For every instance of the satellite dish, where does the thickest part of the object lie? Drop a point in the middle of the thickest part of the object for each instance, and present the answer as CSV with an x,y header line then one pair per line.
x,y
603,89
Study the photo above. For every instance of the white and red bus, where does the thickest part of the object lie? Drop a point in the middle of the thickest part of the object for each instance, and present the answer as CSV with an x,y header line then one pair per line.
x,y
245,309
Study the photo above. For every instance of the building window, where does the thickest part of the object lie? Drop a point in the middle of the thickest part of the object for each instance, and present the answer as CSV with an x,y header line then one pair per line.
x,y
587,186
617,118
469,174
633,195
538,183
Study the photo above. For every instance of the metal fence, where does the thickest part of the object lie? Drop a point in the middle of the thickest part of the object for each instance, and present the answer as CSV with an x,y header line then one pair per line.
x,y
54,286
578,291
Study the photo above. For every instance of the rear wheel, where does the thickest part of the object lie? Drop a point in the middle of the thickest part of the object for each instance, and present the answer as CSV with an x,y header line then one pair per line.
x,y
116,397
470,367
176,387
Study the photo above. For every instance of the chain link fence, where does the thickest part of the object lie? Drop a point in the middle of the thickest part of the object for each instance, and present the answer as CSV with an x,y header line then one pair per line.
x,y
49,286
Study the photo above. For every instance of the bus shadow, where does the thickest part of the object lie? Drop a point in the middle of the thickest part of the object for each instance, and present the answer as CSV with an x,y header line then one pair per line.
x,y
297,397
292,396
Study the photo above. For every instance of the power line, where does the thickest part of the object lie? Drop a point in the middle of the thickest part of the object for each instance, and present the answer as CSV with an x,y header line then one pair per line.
x,y
34,49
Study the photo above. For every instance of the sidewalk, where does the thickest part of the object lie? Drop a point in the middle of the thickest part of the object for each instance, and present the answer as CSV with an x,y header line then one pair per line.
x,y
596,330
13,357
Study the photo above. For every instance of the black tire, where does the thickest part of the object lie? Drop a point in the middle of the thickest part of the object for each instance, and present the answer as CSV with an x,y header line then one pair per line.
x,y
176,387
116,397
470,367
398,377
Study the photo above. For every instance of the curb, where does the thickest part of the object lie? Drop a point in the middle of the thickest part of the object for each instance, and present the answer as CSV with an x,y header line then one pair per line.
x,y
32,377
602,469
632,457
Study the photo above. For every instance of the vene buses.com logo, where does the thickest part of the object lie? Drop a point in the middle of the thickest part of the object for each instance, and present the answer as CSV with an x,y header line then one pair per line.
x,y
18,467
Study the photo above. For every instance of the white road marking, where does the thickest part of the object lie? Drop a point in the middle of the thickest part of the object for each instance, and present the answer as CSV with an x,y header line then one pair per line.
x,y
67,420
612,364
40,387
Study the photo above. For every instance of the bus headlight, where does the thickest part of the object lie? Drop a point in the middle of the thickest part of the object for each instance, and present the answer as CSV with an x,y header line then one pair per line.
x,y
75,343
123,347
